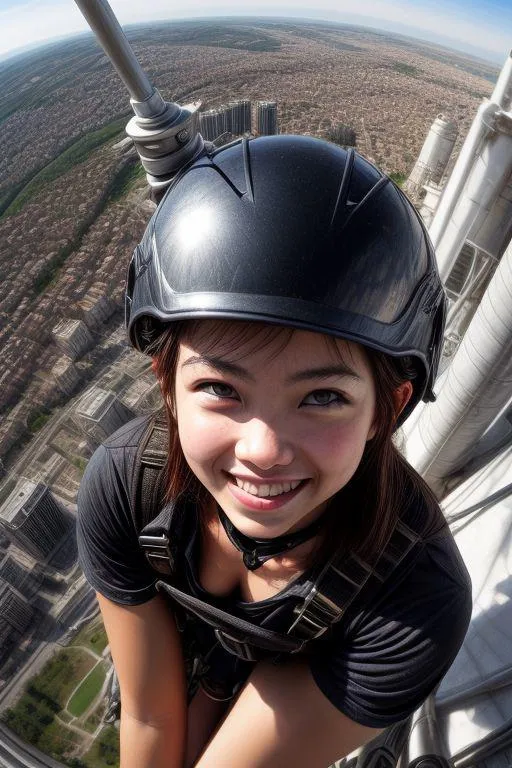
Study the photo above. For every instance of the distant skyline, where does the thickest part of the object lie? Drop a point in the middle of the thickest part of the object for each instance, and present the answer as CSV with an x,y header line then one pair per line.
x,y
483,28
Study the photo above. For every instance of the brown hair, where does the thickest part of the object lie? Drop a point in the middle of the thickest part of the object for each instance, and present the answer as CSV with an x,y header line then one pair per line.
x,y
362,515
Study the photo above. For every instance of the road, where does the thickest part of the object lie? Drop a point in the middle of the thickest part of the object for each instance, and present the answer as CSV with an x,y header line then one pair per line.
x,y
14,753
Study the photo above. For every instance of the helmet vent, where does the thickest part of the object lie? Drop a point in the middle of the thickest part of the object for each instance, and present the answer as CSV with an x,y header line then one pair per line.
x,y
344,189
373,191
248,170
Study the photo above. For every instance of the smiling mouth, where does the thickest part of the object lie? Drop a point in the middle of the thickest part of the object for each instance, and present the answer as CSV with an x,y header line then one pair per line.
x,y
266,490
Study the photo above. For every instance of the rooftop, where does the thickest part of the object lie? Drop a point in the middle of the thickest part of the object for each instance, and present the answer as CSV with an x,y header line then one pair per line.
x,y
22,492
95,403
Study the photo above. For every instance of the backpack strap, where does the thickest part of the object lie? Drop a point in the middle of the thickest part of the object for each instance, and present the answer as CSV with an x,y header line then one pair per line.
x,y
148,495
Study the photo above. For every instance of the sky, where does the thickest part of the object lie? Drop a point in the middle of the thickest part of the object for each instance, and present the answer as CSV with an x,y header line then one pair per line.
x,y
480,27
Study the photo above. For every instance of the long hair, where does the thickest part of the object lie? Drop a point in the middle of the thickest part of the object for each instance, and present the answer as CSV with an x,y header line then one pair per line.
x,y
362,515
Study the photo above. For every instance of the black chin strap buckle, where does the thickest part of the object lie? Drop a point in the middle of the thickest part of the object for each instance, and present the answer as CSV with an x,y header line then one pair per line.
x,y
251,560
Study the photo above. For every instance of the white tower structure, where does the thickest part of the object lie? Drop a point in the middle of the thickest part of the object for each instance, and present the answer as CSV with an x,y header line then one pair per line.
x,y
472,225
433,159
477,202
475,390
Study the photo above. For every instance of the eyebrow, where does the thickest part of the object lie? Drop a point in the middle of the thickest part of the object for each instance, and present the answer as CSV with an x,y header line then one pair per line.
x,y
325,372
222,366
232,369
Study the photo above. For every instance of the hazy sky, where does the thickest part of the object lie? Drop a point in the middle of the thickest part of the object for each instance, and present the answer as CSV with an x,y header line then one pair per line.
x,y
483,27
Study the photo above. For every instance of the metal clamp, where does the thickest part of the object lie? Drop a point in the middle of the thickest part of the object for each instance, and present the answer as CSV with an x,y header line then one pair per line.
x,y
234,646
315,616
156,549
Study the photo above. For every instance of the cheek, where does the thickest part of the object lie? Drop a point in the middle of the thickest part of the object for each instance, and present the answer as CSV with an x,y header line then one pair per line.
x,y
202,438
338,451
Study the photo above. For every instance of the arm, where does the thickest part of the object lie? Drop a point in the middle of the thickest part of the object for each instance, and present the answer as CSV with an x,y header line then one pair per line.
x,y
281,718
147,656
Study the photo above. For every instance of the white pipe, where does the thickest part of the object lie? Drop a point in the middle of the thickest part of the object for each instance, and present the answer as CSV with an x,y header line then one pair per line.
x,y
451,194
483,125
489,174
475,388
502,94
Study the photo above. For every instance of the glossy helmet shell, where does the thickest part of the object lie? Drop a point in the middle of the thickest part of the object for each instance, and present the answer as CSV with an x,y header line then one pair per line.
x,y
292,231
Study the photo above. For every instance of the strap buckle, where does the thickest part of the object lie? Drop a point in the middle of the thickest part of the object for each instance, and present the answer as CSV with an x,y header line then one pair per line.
x,y
156,549
234,646
315,616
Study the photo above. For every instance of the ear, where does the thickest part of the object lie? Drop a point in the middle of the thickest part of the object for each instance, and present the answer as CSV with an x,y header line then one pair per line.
x,y
401,396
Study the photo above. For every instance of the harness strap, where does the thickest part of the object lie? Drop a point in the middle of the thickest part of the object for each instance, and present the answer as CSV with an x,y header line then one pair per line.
x,y
236,635
343,579
148,494
336,588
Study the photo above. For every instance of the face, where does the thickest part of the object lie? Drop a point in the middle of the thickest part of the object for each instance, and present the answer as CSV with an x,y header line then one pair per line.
x,y
272,427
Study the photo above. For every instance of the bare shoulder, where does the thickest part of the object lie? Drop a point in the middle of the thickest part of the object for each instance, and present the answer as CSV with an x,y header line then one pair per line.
x,y
292,723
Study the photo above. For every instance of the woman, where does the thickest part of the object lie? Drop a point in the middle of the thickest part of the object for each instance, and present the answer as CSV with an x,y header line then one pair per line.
x,y
288,294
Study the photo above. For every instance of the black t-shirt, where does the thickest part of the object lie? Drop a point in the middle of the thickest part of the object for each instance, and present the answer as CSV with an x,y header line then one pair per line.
x,y
376,666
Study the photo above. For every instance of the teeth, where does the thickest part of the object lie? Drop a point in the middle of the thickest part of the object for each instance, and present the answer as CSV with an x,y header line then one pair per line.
x,y
266,490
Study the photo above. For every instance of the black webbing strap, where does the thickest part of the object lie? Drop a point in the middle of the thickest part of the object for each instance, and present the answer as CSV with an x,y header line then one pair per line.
x,y
149,494
342,580
155,542
335,590
238,636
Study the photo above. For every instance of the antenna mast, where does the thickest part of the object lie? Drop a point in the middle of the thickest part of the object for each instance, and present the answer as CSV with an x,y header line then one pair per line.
x,y
165,134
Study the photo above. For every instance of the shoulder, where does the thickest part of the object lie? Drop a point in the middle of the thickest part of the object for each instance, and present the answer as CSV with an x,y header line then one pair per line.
x,y
107,539
399,640
113,461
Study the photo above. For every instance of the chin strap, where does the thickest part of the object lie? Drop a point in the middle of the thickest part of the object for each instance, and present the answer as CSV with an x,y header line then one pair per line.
x,y
255,552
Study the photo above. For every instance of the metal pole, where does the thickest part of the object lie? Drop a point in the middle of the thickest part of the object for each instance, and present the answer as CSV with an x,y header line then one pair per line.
x,y
165,134
101,19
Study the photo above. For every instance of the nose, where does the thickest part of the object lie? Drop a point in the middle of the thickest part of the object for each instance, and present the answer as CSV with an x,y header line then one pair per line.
x,y
263,445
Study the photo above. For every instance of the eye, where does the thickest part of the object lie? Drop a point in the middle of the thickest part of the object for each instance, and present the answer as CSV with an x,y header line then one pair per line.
x,y
218,389
324,398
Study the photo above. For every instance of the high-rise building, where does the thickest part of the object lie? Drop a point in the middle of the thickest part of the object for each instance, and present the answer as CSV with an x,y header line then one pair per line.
x,y
72,337
234,118
12,572
212,123
99,413
32,519
96,307
15,615
266,118
239,117
65,375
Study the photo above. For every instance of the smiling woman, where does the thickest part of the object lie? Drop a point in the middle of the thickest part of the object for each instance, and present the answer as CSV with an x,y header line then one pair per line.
x,y
298,574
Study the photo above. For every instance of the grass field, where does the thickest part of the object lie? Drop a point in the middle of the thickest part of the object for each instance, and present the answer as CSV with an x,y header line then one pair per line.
x,y
92,636
87,692
60,676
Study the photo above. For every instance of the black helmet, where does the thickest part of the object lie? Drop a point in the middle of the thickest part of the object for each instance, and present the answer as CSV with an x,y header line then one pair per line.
x,y
293,231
